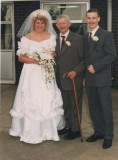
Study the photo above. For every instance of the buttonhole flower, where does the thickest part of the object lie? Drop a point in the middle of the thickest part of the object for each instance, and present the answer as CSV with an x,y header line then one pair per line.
x,y
95,38
68,43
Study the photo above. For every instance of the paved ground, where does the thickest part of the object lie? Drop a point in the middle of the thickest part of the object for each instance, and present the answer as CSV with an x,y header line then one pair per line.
x,y
12,149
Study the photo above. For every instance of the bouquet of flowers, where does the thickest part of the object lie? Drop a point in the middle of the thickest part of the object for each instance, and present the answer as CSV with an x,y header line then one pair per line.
x,y
45,58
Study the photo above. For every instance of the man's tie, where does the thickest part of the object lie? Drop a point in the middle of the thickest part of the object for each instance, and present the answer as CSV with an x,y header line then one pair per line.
x,y
63,41
89,37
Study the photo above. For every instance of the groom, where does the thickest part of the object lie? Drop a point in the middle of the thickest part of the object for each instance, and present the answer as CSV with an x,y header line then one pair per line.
x,y
70,62
99,52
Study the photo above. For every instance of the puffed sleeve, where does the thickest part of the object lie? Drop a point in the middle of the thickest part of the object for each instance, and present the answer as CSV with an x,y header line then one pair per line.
x,y
23,46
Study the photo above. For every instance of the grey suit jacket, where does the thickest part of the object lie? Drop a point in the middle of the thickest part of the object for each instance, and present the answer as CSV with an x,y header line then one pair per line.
x,y
70,58
100,54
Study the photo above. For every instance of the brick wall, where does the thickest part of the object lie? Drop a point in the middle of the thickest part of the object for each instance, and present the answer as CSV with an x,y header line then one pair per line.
x,y
115,32
115,21
21,11
101,5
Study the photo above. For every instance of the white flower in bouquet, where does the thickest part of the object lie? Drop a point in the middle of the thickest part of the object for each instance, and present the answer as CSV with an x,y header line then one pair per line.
x,y
45,59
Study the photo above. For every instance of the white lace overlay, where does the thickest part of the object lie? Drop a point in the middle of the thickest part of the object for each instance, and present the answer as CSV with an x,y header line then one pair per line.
x,y
37,111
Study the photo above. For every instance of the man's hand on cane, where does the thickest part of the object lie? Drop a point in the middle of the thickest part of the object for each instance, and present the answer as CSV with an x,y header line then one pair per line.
x,y
71,74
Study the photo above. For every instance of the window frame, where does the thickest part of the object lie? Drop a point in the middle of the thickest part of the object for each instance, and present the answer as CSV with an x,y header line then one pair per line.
x,y
87,2
11,22
5,53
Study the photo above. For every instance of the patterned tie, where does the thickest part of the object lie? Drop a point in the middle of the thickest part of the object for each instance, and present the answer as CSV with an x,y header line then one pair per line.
x,y
63,41
89,37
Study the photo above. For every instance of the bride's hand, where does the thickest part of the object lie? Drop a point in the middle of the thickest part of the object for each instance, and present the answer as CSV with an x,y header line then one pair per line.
x,y
53,54
28,60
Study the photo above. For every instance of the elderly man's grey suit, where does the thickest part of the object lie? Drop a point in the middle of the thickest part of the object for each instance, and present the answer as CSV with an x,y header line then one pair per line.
x,y
70,58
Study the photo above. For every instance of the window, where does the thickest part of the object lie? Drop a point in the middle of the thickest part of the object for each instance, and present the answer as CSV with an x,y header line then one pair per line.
x,y
75,10
6,26
7,53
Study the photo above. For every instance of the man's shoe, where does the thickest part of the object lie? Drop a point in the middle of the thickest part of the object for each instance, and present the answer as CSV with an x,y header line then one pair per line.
x,y
107,143
94,138
64,131
72,135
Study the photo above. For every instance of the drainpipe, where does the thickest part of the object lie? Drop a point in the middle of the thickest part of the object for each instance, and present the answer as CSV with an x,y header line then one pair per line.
x,y
109,15
0,120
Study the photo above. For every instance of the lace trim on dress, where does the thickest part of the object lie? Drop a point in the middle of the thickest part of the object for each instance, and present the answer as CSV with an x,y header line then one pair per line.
x,y
23,45
46,130
34,140
36,113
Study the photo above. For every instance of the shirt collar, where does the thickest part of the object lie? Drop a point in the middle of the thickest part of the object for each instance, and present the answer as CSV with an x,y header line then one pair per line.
x,y
66,34
94,31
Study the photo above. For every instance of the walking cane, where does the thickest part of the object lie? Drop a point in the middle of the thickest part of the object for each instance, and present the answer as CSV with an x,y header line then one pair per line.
x,y
77,106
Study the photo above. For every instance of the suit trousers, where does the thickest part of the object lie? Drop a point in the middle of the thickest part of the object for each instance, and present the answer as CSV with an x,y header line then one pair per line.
x,y
70,111
100,106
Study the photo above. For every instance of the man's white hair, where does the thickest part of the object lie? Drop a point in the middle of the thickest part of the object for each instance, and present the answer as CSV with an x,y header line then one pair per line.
x,y
63,16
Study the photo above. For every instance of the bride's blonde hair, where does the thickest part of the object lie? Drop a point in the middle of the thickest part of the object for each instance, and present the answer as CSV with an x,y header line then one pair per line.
x,y
40,18
28,24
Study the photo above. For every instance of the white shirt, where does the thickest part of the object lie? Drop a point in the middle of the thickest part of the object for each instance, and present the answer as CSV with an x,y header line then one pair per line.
x,y
94,31
66,35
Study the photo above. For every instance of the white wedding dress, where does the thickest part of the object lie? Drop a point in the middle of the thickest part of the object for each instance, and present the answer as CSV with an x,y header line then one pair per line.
x,y
37,112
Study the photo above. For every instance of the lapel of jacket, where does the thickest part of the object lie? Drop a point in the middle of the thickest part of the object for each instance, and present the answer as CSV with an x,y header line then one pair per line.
x,y
86,40
93,43
98,32
65,47
58,44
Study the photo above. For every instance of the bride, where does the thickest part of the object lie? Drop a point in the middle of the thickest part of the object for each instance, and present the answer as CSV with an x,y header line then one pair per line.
x,y
37,113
